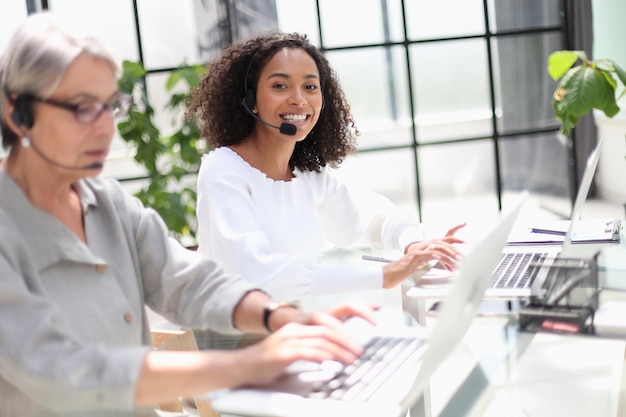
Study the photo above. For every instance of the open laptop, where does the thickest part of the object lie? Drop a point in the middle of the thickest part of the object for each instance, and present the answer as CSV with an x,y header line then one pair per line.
x,y
583,230
522,269
404,358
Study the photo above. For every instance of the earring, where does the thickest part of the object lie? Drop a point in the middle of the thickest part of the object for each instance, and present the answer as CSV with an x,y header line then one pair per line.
x,y
254,110
25,142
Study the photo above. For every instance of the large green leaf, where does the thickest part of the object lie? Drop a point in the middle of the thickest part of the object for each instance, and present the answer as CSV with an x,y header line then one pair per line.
x,y
173,79
590,85
561,61
580,90
586,88
621,74
133,69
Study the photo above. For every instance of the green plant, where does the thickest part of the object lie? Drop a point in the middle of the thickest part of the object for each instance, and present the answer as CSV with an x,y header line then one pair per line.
x,y
167,159
583,87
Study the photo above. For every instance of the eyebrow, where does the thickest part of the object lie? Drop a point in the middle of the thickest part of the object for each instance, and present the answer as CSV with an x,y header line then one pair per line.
x,y
90,97
286,76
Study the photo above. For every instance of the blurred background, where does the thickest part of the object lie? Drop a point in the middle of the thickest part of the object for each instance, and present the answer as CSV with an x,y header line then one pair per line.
x,y
452,97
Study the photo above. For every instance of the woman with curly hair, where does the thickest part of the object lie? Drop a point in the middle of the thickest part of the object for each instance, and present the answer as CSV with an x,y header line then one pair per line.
x,y
277,119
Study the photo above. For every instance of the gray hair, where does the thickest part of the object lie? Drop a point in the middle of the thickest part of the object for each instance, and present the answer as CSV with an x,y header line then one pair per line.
x,y
36,59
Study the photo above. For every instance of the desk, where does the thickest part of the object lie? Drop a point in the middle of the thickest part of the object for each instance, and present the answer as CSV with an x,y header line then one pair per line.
x,y
611,274
503,372
498,371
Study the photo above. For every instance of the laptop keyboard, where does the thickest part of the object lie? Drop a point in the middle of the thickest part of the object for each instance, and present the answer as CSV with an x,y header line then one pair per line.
x,y
517,270
381,357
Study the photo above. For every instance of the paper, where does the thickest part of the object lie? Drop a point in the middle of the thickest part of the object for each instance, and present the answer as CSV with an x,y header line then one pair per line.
x,y
532,234
553,232
599,230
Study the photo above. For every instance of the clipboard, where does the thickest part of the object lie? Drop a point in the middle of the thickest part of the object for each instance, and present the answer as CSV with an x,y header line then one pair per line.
x,y
555,232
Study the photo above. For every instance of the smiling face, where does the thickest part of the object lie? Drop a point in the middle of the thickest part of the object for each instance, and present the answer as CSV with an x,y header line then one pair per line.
x,y
57,132
289,91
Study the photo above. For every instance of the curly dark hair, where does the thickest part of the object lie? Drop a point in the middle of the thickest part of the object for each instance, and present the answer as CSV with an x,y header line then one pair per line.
x,y
216,102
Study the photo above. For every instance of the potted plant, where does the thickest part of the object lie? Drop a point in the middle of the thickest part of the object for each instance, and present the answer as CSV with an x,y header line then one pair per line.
x,y
589,85
167,159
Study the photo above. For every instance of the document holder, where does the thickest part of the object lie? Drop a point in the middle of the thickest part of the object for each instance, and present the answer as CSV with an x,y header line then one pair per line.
x,y
567,299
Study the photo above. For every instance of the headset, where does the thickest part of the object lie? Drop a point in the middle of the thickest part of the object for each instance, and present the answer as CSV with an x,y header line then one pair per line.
x,y
249,97
249,100
22,113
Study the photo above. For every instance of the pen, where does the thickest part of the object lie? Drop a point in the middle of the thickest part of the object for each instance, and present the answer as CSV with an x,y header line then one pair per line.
x,y
547,231
376,258
426,268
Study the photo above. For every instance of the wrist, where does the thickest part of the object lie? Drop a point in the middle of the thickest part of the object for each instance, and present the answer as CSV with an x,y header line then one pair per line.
x,y
270,313
408,246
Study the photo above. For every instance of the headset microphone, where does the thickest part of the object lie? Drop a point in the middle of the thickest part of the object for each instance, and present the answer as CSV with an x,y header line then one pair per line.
x,y
284,128
22,115
249,100
26,142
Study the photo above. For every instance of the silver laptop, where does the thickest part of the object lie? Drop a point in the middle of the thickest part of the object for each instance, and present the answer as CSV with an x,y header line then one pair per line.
x,y
397,364
522,270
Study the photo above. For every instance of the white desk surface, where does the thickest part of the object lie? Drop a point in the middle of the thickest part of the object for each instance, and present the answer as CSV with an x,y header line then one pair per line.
x,y
499,371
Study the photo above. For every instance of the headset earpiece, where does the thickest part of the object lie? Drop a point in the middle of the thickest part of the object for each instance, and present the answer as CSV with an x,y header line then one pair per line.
x,y
250,99
22,113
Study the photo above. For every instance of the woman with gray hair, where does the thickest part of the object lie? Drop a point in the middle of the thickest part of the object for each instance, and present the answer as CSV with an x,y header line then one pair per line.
x,y
80,259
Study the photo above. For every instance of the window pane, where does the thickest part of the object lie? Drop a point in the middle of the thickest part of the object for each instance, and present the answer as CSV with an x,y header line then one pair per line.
x,y
209,31
360,22
449,172
391,173
298,16
451,89
524,87
201,28
164,119
112,21
444,18
457,169
120,162
537,163
378,97
249,17
515,14
13,14
168,48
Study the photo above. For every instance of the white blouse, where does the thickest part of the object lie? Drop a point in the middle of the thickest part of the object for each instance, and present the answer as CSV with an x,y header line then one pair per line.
x,y
274,232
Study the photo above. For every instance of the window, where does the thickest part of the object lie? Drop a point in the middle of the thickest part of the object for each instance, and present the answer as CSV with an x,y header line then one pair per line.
x,y
452,97
457,86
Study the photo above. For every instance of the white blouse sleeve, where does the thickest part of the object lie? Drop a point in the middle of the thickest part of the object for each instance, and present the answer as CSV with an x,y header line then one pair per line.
x,y
230,231
356,215
233,231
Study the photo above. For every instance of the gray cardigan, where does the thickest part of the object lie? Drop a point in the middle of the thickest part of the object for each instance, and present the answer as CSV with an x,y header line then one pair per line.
x,y
73,326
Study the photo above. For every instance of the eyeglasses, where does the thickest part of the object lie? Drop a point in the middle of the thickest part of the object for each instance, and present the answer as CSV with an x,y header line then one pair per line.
x,y
89,111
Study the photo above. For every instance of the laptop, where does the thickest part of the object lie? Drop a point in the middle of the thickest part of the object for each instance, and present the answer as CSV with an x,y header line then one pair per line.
x,y
522,270
403,359
583,230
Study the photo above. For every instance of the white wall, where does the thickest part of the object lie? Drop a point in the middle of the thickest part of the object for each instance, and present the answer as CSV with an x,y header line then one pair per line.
x,y
609,35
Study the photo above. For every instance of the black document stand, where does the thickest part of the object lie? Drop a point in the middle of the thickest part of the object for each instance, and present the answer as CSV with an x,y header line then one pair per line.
x,y
567,301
